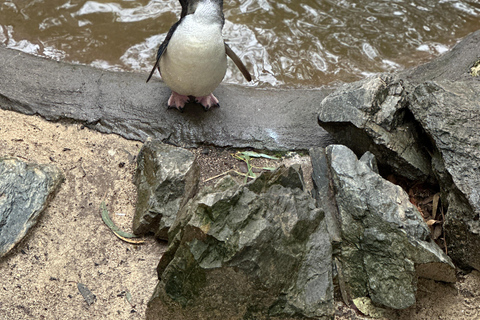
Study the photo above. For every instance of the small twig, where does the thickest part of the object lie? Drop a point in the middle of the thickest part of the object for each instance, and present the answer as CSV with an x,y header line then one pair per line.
x,y
219,175
225,173
444,234
436,199
245,157
341,282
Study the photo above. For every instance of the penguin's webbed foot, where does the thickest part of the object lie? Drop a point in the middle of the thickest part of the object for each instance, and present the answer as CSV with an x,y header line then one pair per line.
x,y
207,102
177,101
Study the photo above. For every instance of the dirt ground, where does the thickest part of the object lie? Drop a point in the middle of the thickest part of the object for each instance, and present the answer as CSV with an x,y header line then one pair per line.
x,y
70,244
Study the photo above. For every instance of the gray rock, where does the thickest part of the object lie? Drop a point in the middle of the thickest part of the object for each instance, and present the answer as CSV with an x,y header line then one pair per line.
x,y
449,112
384,237
166,178
122,103
87,295
369,159
25,190
255,251
372,115
324,194
424,124
454,65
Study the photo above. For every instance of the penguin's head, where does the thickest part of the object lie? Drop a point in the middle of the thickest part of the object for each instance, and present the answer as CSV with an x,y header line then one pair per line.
x,y
190,6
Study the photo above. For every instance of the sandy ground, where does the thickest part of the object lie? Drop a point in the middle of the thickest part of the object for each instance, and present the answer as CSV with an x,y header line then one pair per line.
x,y
70,244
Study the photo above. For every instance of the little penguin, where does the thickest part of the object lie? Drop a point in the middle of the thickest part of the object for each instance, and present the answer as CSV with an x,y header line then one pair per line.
x,y
192,59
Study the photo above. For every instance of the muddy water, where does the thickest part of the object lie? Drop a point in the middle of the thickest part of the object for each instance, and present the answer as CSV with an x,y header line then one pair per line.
x,y
287,43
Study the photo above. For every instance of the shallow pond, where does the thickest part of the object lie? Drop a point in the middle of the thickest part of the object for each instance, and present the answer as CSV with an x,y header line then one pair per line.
x,y
285,43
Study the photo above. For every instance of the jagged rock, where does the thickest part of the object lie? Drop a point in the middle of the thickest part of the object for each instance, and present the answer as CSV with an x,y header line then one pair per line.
x,y
372,115
454,65
385,242
324,194
255,251
369,159
25,190
424,124
166,178
449,113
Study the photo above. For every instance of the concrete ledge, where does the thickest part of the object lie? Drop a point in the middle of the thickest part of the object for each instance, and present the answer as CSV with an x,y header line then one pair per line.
x,y
122,103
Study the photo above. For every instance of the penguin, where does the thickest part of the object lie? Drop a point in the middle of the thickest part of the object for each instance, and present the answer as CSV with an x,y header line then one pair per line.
x,y
192,59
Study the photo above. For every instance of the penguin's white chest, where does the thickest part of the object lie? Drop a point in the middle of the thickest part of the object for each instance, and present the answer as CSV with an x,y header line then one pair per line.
x,y
195,61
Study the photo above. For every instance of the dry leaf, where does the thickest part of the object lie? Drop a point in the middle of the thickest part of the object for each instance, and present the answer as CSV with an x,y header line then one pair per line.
x,y
411,195
427,217
427,200
436,199
419,210
437,232
125,236
431,222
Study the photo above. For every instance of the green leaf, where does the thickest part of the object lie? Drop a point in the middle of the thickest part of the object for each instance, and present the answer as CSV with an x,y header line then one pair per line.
x,y
258,155
125,236
268,168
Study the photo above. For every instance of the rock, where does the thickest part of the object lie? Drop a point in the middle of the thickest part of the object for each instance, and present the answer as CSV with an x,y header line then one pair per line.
x,y
166,178
372,115
384,237
366,307
25,190
454,65
423,124
369,159
87,295
122,103
449,113
254,251
324,194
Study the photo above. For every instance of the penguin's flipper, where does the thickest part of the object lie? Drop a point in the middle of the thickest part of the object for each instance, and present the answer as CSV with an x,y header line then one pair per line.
x,y
163,47
238,62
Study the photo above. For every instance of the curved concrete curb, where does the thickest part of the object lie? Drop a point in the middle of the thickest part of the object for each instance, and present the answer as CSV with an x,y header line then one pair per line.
x,y
122,103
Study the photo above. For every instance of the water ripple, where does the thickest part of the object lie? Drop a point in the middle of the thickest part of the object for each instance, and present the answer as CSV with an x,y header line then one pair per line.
x,y
283,42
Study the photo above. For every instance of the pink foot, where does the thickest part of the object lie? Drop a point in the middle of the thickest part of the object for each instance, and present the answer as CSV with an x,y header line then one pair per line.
x,y
207,101
177,101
